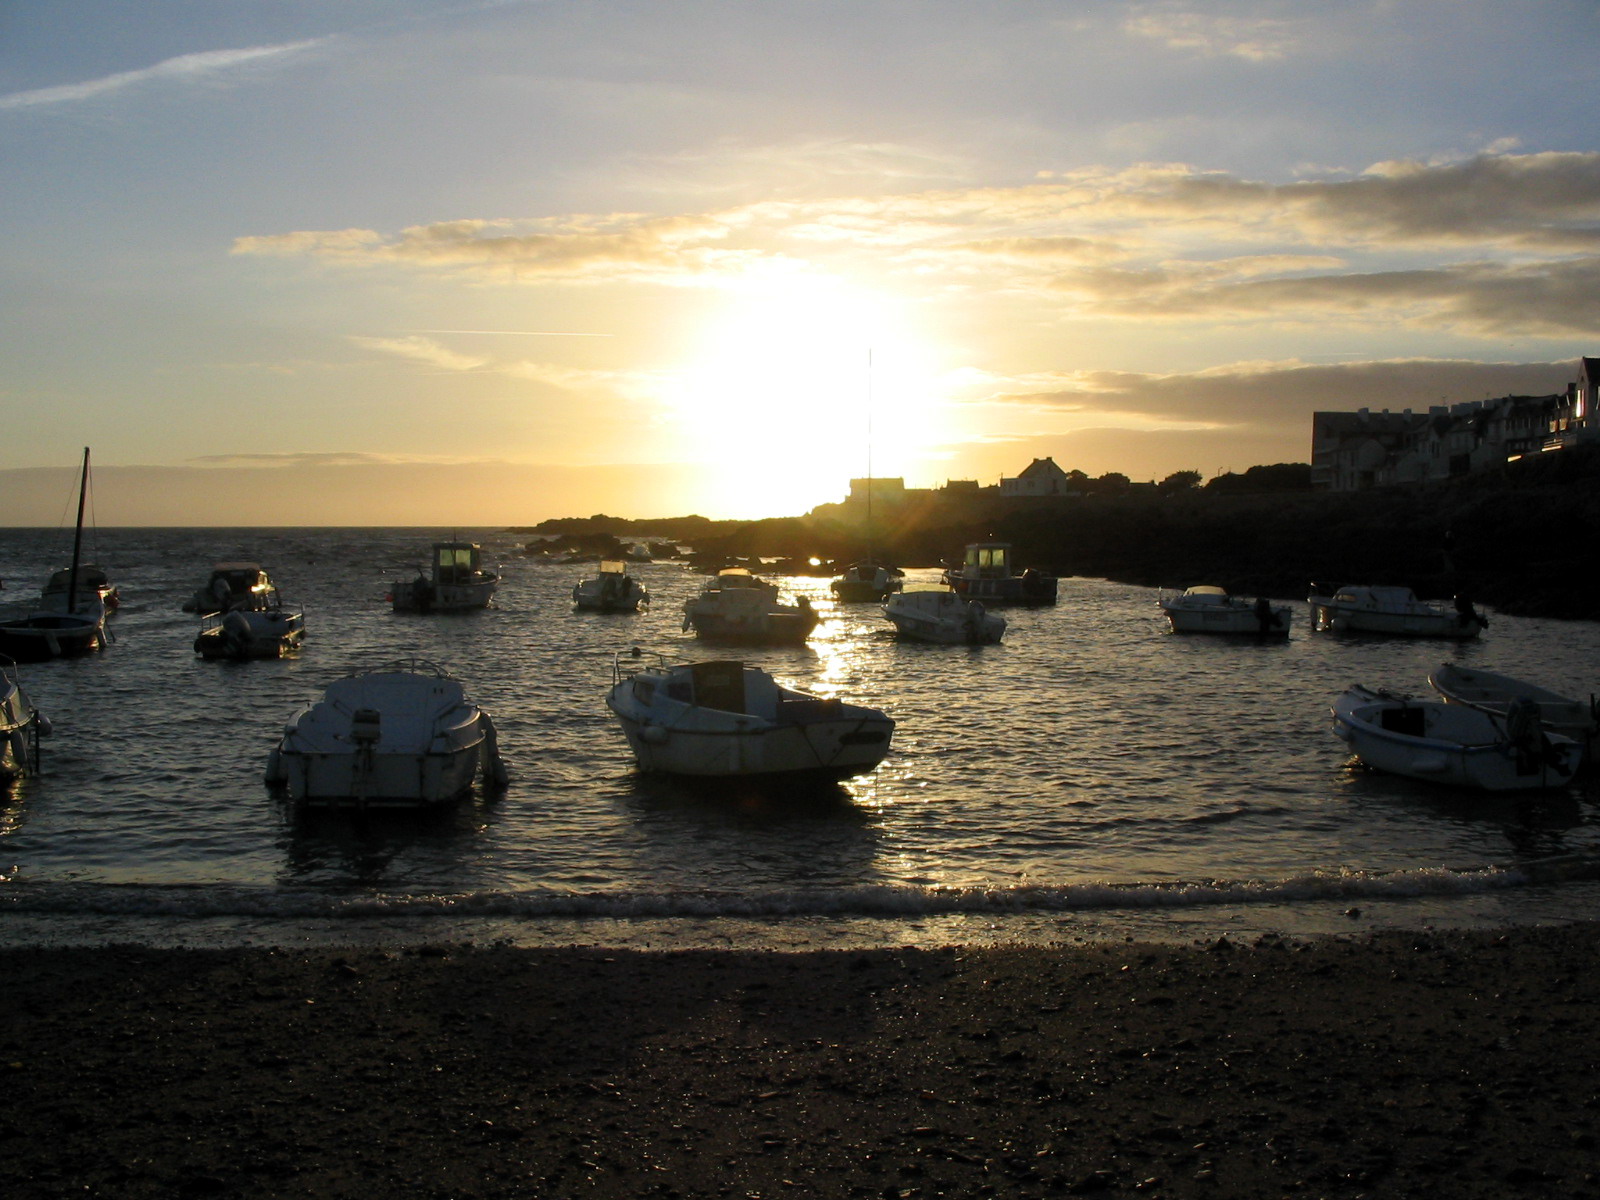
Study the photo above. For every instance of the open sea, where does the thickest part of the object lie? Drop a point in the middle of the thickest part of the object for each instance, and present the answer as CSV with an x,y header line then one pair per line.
x,y
1093,777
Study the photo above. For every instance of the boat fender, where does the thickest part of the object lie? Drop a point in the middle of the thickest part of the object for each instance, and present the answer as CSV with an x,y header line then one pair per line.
x,y
19,745
275,774
655,735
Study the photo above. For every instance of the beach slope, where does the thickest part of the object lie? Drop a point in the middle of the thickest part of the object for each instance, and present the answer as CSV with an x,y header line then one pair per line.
x,y
1339,1067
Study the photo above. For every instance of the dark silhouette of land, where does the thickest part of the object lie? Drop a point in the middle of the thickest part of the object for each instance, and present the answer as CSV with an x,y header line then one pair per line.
x,y
1521,539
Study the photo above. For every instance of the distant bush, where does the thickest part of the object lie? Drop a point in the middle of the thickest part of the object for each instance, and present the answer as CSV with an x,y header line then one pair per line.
x,y
1279,477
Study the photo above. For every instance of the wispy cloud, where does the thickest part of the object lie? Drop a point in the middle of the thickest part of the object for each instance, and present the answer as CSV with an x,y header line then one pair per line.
x,y
1273,393
1502,244
203,67
1209,34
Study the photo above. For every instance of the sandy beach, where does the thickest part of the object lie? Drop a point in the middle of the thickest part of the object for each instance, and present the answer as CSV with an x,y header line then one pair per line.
x,y
1392,1065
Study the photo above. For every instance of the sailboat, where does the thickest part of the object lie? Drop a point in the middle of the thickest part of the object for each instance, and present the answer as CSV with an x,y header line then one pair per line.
x,y
77,627
868,581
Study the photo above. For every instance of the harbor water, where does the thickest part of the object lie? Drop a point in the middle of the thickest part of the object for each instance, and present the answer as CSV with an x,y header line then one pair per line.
x,y
1094,776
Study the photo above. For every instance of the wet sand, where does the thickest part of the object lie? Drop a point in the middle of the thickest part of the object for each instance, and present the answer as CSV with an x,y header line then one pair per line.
x,y
1393,1066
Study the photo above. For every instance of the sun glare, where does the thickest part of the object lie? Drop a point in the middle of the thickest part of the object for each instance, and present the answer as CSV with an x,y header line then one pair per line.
x,y
797,388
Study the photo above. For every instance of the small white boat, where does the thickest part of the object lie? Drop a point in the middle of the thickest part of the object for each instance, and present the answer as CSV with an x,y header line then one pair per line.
x,y
867,582
1393,610
986,574
736,606
21,725
232,585
250,620
939,615
728,720
1454,744
405,736
613,590
1494,693
455,581
245,633
1207,609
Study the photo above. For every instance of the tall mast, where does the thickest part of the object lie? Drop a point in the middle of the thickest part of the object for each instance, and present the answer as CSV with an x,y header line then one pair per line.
x,y
77,537
870,547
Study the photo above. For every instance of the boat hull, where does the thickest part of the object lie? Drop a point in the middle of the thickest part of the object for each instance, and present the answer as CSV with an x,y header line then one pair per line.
x,y
821,750
1450,744
41,636
386,739
345,779
19,730
249,635
943,619
1237,620
614,594
1495,693
421,596
722,720
1393,612
752,629
1013,589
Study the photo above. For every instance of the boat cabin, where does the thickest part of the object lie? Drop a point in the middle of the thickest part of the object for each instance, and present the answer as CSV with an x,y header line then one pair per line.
x,y
239,586
455,562
988,560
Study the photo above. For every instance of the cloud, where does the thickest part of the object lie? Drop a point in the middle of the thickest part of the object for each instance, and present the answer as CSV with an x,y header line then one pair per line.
x,y
1500,244
203,67
1255,39
423,350
336,458
1281,394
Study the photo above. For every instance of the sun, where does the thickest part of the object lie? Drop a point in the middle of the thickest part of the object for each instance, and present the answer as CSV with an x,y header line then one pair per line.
x,y
798,386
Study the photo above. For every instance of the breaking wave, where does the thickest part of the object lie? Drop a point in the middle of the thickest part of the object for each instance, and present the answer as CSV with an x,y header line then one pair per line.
x,y
225,901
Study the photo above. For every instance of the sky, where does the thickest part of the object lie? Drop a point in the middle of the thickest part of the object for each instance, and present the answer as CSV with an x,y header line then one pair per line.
x,y
400,262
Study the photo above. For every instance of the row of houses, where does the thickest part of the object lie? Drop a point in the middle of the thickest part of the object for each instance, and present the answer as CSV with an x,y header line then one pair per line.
x,y
1364,449
1041,477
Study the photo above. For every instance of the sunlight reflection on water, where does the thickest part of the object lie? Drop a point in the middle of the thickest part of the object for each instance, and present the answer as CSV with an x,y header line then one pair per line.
x,y
1090,749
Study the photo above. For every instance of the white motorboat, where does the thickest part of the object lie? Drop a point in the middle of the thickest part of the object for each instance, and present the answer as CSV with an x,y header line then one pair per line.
x,y
232,585
939,615
1207,609
455,581
247,633
1452,743
728,720
77,626
1393,610
986,574
736,606
1495,693
867,582
251,621
21,725
613,590
404,736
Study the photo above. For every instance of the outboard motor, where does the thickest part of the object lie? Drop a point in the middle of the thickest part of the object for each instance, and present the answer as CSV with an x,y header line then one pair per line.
x,y
1469,614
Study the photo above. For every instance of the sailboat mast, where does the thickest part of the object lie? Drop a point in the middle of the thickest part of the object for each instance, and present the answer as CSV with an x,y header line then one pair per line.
x,y
870,548
77,537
